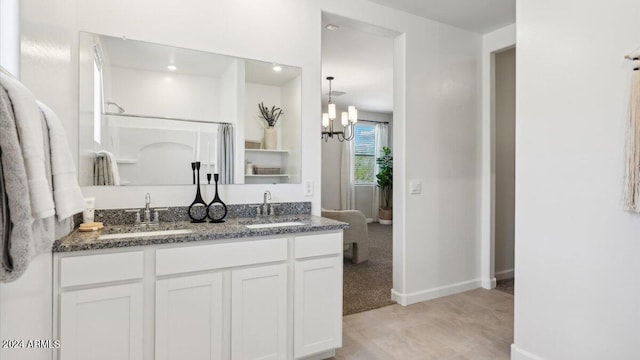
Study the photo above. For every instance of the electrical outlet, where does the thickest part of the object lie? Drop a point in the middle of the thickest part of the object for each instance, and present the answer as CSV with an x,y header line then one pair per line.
x,y
415,187
308,188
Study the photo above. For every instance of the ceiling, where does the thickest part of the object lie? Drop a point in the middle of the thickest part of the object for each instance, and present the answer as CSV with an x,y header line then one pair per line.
x,y
360,55
361,61
480,16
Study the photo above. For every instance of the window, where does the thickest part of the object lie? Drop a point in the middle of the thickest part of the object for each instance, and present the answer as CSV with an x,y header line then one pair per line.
x,y
364,163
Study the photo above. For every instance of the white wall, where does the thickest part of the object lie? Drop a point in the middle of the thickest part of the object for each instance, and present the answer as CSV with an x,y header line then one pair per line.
x,y
198,26
576,249
505,117
436,127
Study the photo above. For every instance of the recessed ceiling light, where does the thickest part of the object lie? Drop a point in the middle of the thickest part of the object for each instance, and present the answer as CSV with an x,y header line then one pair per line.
x,y
332,27
172,67
277,68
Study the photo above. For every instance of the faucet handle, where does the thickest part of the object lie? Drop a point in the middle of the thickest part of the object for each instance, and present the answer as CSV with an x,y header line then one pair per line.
x,y
258,211
137,212
156,215
272,209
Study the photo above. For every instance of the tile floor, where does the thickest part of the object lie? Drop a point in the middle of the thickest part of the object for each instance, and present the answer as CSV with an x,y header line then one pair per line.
x,y
473,325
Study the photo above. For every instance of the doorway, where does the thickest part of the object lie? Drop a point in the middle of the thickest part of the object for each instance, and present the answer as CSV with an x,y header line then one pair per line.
x,y
359,58
505,161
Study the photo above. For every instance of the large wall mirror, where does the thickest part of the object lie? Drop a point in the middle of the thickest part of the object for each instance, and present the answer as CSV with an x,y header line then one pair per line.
x,y
147,111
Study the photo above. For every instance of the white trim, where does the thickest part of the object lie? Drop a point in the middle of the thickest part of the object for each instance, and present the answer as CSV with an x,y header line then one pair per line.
x,y
489,283
505,274
322,355
519,354
434,293
493,42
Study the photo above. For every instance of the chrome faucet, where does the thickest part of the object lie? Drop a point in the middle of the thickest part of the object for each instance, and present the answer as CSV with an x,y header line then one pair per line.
x,y
147,208
265,204
147,213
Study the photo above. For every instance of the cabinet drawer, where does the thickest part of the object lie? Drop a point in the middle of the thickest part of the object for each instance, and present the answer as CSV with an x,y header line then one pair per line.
x,y
93,269
218,256
318,245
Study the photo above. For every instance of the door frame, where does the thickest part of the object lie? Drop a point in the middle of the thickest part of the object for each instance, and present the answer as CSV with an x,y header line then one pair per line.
x,y
492,43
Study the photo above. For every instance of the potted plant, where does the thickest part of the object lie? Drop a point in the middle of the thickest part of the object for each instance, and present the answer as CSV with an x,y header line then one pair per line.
x,y
385,183
271,116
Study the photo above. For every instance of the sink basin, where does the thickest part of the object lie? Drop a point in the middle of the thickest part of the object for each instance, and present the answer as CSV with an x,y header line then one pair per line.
x,y
144,234
272,225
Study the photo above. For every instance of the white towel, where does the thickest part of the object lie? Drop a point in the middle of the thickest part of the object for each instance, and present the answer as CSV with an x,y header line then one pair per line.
x,y
29,124
113,168
66,191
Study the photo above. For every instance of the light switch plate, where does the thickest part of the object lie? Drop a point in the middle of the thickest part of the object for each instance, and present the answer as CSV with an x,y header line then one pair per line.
x,y
308,188
415,187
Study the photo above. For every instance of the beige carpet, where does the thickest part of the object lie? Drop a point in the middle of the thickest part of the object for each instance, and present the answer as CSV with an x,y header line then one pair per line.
x,y
368,285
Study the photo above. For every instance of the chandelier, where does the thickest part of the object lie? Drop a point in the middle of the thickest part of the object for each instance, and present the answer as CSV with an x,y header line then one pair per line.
x,y
348,120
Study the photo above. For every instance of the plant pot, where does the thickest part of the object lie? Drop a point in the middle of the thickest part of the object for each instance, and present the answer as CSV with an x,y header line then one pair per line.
x,y
385,216
270,138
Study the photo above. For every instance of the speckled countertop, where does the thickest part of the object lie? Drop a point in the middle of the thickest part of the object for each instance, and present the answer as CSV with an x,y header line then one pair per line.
x,y
231,229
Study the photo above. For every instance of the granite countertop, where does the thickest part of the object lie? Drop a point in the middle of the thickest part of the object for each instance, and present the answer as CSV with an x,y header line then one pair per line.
x,y
230,229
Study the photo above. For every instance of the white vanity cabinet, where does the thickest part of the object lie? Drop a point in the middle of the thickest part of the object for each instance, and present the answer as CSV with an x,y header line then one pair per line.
x,y
317,294
252,298
189,318
97,319
259,313
102,323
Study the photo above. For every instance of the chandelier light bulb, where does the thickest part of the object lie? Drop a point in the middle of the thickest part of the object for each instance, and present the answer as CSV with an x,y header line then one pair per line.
x,y
325,120
353,114
332,111
345,118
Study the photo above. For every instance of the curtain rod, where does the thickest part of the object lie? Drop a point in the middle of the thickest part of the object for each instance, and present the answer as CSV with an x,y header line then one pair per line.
x,y
167,118
374,122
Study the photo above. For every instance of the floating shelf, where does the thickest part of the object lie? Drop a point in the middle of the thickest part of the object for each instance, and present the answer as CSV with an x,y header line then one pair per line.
x,y
267,151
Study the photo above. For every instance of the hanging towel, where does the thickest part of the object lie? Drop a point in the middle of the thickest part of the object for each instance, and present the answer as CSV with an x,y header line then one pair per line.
x,y
30,133
67,195
106,169
17,241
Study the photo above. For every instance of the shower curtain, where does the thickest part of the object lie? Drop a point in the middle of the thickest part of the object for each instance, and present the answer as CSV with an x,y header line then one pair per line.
x,y
226,156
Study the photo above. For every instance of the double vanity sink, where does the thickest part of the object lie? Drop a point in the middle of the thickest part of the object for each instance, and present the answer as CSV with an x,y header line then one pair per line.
x,y
118,236
124,235
248,288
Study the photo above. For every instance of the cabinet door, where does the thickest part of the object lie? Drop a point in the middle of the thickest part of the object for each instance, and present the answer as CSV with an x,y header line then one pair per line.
x,y
102,323
259,312
317,305
189,317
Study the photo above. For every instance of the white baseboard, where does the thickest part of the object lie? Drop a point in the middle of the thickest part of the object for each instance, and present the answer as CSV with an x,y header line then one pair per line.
x,y
369,220
429,294
323,355
505,274
519,354
488,283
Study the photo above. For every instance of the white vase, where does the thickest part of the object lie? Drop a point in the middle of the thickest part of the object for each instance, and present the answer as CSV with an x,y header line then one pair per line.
x,y
270,138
